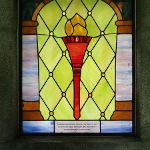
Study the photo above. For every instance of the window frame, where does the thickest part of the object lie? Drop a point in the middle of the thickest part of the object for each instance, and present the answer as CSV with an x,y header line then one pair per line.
x,y
9,122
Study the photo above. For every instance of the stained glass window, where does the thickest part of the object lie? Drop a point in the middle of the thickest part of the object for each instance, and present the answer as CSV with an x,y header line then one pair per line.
x,y
77,67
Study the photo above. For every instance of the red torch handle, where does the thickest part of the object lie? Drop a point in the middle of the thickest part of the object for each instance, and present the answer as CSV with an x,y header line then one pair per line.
x,y
76,80
76,47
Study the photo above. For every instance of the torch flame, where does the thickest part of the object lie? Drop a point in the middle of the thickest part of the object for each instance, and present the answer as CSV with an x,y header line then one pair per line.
x,y
76,26
76,43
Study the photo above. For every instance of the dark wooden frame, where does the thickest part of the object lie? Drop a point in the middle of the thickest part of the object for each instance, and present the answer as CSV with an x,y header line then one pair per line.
x,y
9,93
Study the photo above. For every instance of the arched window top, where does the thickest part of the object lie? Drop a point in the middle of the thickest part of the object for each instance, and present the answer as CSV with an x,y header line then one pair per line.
x,y
93,12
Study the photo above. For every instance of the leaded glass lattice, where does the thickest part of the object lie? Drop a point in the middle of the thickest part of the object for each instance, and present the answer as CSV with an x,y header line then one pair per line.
x,y
55,72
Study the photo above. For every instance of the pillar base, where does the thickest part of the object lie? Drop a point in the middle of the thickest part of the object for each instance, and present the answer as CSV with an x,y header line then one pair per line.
x,y
122,116
31,111
32,115
123,111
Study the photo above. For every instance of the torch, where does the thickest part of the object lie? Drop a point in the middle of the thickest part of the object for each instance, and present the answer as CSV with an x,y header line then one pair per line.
x,y
76,42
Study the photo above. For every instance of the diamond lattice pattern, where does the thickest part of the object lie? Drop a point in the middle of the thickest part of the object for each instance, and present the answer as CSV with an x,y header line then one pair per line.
x,y
97,95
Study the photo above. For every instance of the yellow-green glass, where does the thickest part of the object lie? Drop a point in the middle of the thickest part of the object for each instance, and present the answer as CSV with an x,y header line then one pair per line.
x,y
50,54
90,74
103,94
103,54
90,111
89,4
51,14
46,110
76,7
103,14
43,73
63,110
98,70
51,94
64,4
59,30
63,78
42,28
92,25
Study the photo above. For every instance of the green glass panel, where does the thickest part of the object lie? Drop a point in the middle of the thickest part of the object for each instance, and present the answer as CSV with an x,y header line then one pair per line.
x,y
90,111
45,112
76,7
63,4
61,44
90,73
102,14
67,56
43,73
92,43
85,56
103,94
63,78
112,28
63,110
41,41
51,54
60,29
92,28
51,94
103,54
69,94
111,38
102,118
89,4
41,28
110,74
109,111
51,19
83,94
51,118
